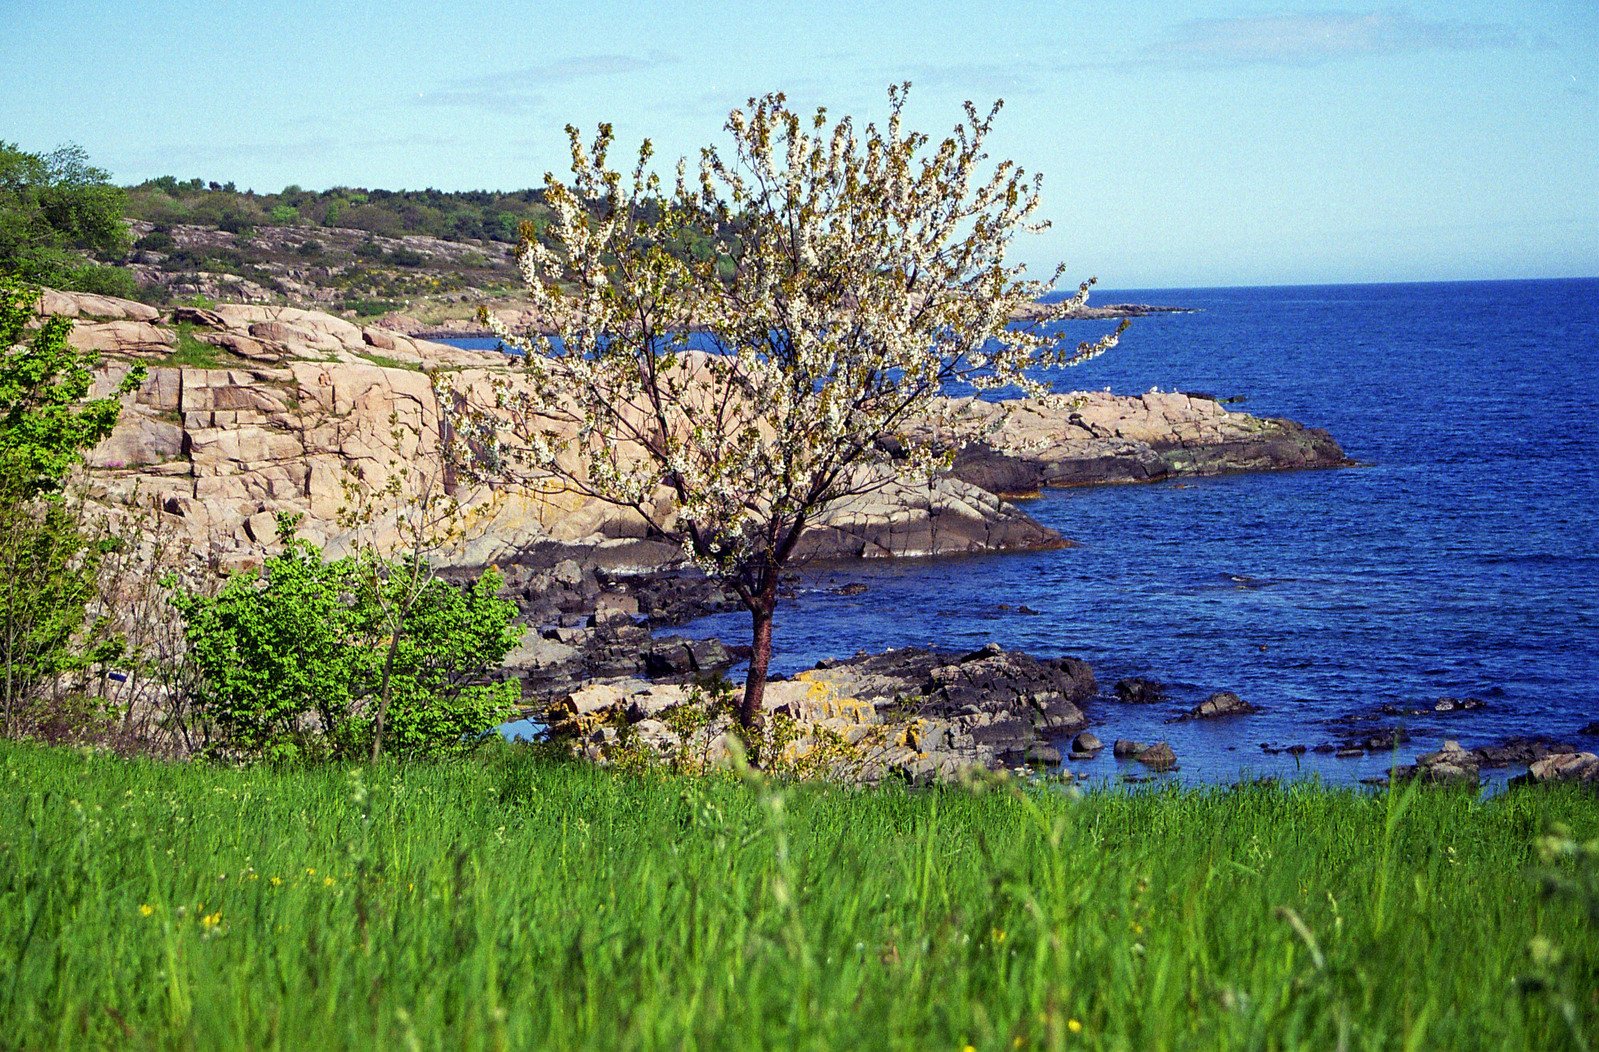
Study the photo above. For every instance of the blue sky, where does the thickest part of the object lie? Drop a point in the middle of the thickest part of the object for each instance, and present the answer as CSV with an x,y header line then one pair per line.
x,y
1182,144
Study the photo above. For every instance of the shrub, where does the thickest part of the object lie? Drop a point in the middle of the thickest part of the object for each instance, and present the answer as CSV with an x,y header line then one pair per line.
x,y
50,551
46,417
157,240
296,659
234,222
50,555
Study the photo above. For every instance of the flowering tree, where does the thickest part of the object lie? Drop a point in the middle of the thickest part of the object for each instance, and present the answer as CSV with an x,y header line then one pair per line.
x,y
727,355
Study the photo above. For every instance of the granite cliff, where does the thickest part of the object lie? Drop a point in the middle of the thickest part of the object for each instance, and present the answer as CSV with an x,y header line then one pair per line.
x,y
252,410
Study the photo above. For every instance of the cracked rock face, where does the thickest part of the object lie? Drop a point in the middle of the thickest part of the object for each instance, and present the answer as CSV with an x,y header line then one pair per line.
x,y
220,451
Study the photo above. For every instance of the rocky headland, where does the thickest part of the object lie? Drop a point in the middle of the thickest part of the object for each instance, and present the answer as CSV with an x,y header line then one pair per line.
x,y
251,410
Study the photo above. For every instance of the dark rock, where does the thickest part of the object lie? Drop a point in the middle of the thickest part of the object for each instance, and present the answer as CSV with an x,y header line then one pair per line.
x,y
1007,701
1159,757
1591,729
1513,752
1381,741
1295,750
208,319
1136,690
854,588
675,658
998,473
1127,749
1348,753
1042,756
1221,703
1087,742
983,653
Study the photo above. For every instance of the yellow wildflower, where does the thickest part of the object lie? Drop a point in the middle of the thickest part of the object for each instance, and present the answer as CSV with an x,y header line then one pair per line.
x,y
145,909
211,920
998,934
310,871
327,882
276,882
1074,1026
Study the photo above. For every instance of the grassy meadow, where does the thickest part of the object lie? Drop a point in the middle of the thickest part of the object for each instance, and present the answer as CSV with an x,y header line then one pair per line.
x,y
515,901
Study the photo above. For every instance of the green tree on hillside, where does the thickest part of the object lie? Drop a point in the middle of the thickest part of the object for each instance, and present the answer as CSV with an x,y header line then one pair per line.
x,y
55,208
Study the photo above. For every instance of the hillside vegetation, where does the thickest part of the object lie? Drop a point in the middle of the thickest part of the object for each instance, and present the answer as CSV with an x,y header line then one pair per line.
x,y
348,249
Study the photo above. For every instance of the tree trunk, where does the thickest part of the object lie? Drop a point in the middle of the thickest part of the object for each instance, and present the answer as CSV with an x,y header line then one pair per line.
x,y
383,699
760,657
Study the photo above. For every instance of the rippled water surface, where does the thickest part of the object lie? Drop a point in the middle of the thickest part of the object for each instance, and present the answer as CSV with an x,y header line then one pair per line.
x,y
1461,560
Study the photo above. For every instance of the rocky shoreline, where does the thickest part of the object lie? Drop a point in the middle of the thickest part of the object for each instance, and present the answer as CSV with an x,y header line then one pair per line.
x,y
294,399
603,671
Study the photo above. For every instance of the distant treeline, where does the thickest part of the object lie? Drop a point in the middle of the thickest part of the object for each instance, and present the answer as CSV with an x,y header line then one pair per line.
x,y
488,215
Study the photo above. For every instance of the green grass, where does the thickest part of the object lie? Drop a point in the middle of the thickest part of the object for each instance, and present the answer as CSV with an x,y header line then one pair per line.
x,y
194,353
522,902
385,362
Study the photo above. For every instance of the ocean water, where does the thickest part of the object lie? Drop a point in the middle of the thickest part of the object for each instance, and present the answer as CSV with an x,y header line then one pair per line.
x,y
1460,560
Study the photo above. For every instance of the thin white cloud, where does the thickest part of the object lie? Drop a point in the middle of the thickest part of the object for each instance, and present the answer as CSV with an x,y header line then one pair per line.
x,y
513,90
1303,38
1313,37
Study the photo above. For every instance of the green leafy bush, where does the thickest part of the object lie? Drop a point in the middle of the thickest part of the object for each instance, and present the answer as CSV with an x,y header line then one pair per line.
x,y
157,240
295,660
50,550
405,257
50,559
46,417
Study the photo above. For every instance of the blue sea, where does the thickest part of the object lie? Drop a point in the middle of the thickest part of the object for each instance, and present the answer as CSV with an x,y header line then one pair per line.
x,y
1460,560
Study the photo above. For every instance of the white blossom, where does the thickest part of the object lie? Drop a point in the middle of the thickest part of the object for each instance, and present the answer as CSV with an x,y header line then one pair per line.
x,y
854,274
